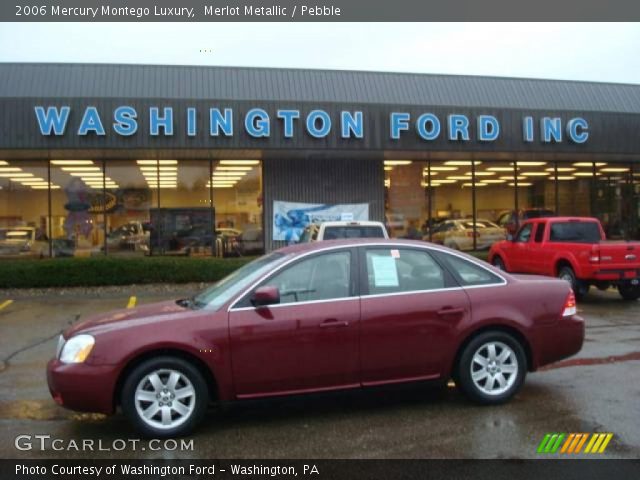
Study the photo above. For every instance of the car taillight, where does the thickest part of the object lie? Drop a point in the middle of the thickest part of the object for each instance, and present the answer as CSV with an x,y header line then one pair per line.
x,y
569,305
595,255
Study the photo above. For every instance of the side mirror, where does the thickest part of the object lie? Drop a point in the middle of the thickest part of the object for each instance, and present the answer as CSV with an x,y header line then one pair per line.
x,y
510,237
266,295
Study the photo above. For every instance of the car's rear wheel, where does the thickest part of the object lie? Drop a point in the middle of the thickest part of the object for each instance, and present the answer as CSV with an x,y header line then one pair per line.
x,y
567,274
165,397
628,291
498,263
492,368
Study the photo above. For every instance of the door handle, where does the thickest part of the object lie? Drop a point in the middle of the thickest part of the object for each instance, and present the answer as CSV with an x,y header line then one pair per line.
x,y
333,322
450,311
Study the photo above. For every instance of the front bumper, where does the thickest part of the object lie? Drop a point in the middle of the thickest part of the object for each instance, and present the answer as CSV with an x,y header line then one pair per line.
x,y
83,387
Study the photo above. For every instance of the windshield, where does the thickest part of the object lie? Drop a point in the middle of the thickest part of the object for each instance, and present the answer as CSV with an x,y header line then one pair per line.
x,y
220,293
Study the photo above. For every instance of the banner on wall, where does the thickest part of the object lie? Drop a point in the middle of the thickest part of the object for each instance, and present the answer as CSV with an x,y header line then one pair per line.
x,y
291,218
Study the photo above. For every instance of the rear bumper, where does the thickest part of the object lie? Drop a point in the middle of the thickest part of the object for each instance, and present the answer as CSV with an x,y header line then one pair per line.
x,y
82,387
558,341
614,274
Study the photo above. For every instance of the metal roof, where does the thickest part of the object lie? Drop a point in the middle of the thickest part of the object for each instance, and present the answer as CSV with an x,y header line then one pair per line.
x,y
48,80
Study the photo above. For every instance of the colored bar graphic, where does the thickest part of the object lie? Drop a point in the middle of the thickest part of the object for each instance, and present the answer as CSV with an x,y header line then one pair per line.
x,y
606,442
572,443
584,439
543,443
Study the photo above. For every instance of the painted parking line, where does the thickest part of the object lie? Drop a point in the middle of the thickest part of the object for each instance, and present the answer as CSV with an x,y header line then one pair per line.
x,y
132,302
5,304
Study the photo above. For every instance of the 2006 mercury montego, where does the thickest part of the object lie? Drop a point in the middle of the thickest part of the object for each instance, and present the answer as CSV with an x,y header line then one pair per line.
x,y
315,317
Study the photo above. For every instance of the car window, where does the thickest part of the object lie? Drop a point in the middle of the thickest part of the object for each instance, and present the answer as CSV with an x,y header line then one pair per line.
x,y
321,277
391,270
524,234
479,224
218,294
539,233
507,218
579,232
355,231
446,227
468,273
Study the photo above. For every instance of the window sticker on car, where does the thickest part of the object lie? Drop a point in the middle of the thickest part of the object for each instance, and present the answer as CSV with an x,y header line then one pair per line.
x,y
385,273
395,253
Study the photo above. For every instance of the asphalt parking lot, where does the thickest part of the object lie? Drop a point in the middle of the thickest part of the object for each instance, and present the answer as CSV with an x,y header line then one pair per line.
x,y
597,391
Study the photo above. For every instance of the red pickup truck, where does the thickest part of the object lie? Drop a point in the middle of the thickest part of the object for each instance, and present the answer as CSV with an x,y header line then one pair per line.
x,y
574,249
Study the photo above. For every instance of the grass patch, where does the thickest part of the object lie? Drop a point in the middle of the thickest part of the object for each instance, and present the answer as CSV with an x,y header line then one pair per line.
x,y
103,271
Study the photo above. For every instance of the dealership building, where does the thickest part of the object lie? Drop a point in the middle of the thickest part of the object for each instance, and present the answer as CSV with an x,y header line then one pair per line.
x,y
141,159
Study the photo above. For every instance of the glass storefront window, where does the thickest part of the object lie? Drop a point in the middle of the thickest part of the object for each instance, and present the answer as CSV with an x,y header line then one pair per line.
x,y
77,219
129,198
575,186
24,226
495,199
613,200
451,200
183,222
406,205
237,199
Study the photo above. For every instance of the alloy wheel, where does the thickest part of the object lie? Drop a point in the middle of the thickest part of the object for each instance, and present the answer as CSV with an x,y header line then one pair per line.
x,y
165,399
494,368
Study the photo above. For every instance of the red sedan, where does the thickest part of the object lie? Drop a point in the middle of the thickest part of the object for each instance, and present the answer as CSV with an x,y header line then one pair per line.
x,y
316,317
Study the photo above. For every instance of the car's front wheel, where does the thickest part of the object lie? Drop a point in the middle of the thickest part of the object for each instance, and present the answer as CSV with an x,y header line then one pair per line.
x,y
492,368
165,397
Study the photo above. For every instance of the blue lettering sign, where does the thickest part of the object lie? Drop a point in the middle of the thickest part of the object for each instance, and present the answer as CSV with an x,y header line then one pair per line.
x,y
578,130
458,127
191,122
351,125
399,121
219,122
91,122
125,122
156,121
287,117
551,129
256,123
488,128
312,123
428,126
527,129
52,119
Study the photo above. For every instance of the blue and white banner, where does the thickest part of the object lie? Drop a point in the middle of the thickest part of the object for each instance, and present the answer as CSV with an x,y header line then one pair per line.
x,y
291,218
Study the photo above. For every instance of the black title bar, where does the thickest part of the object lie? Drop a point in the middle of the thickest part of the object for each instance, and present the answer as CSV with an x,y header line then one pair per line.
x,y
317,10
321,469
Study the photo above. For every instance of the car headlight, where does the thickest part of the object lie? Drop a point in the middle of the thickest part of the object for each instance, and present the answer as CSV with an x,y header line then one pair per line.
x,y
77,349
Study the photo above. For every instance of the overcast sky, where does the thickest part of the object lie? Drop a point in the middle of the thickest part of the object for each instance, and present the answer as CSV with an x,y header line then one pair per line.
x,y
598,52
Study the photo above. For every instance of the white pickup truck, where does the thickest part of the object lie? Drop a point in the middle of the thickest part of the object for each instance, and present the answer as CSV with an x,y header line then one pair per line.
x,y
336,230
